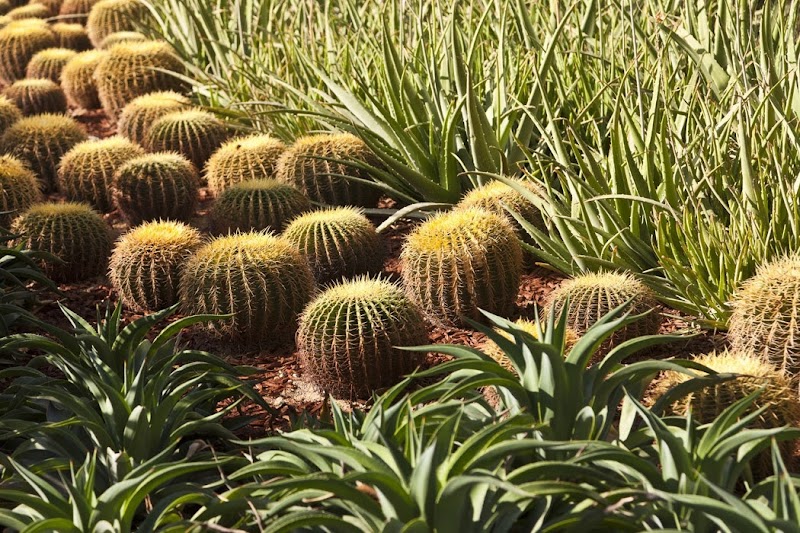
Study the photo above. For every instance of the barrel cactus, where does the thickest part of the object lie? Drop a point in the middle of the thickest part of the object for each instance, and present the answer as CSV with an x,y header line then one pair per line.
x,y
77,8
37,96
72,232
495,196
261,279
86,172
153,186
243,159
18,189
146,263
133,69
309,165
138,115
49,63
120,37
110,16
53,6
195,134
19,42
339,243
5,7
71,36
9,113
77,79
458,262
41,141
348,337
257,205
30,11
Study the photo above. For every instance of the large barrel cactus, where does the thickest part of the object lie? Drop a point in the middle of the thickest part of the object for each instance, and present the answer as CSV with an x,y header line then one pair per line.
x,y
18,189
257,205
77,79
49,63
496,196
71,36
194,134
110,16
19,42
37,96
243,159
142,111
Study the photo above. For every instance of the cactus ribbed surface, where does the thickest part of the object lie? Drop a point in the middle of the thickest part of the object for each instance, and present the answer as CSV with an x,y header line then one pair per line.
x,y
765,318
86,172
306,165
243,159
259,278
49,63
194,134
53,6
71,36
138,115
41,141
460,261
110,16
339,243
30,11
120,37
257,205
37,96
77,7
154,186
9,113
495,194
19,42
19,189
347,337
73,233
77,79
133,69
146,263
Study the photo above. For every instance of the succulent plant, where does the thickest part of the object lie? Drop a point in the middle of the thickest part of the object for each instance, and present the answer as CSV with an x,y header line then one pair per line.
x,y
5,7
243,159
339,243
141,112
75,8
133,69
591,296
72,36
528,326
19,189
308,165
53,6
195,134
494,195
146,263
19,42
458,262
765,317
261,279
9,113
110,16
37,96
348,337
120,37
257,205
77,79
86,172
154,186
72,232
30,11
41,141
49,63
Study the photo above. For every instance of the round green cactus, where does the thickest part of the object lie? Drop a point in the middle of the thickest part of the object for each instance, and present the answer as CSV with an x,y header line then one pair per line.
x,y
348,337
77,79
49,63
77,8
458,262
257,205
110,16
30,11
86,172
120,37
195,134
37,96
153,186
141,112
9,113
243,159
19,42
41,141
19,189
339,243
262,280
71,36
309,165
146,263
133,69
73,233
495,196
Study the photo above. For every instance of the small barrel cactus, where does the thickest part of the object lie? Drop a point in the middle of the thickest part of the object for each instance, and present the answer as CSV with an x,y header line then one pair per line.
x,y
19,189
77,8
30,11
77,79
146,263
49,63
349,336
133,69
765,318
141,112
9,113
19,42
153,186
74,233
71,36
37,96
259,278
495,196
41,141
257,205
243,159
120,37
310,165
458,262
593,295
86,172
110,16
195,134
53,6
339,243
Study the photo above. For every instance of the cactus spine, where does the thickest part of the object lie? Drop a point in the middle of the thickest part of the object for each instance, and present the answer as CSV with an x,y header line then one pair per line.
x,y
37,96
495,196
77,79
49,63
18,189
9,113
243,159
120,37
74,8
30,11
141,112
257,205
110,16
194,134
19,42
71,36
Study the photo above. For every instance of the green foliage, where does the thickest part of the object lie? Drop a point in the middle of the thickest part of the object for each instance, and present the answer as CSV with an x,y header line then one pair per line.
x,y
19,42
194,134
77,79
140,113
110,16
19,189
71,36
257,205
243,159
37,96
49,63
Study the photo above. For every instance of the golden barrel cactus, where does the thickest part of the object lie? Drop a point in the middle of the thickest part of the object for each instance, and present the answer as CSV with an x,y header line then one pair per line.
x,y
243,159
